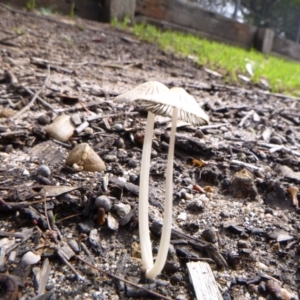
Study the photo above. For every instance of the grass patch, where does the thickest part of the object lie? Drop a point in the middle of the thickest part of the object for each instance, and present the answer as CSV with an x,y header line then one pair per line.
x,y
230,61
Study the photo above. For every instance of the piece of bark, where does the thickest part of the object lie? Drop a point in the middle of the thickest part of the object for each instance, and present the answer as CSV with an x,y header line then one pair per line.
x,y
129,187
43,276
202,278
48,152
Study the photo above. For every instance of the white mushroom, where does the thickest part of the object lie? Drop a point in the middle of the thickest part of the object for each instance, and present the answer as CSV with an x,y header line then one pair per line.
x,y
178,104
150,88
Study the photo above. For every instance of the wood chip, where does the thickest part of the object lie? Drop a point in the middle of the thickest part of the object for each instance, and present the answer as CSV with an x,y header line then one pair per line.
x,y
202,278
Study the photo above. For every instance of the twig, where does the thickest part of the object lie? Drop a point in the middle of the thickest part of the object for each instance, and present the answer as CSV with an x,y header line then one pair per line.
x,y
87,252
17,132
241,163
84,107
61,143
33,98
122,279
213,126
69,217
247,116
29,91
45,209
92,118
3,41
91,103
61,255
275,147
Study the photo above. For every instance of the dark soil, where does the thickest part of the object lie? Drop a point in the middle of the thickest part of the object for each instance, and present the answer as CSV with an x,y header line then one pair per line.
x,y
244,222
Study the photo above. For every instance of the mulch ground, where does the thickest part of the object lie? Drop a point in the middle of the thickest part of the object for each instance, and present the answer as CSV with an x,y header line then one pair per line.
x,y
233,206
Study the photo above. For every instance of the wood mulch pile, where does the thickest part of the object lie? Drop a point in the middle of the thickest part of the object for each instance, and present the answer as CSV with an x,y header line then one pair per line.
x,y
66,233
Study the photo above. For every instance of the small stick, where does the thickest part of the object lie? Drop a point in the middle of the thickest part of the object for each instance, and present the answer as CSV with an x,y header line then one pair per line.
x,y
61,255
45,209
247,116
87,252
91,103
213,126
69,217
122,279
17,132
241,163
29,91
33,98
84,107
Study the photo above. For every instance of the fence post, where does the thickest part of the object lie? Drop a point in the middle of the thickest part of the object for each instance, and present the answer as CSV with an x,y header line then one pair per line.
x,y
264,40
118,9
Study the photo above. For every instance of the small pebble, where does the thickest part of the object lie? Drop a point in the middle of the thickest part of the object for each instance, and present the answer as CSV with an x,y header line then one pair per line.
x,y
187,181
199,134
104,202
117,127
94,239
9,148
25,172
43,180
112,223
195,206
164,146
44,119
12,256
30,258
225,214
181,193
74,246
134,179
182,216
210,235
243,244
188,196
88,131
110,158
276,140
132,163
154,153
119,143
122,209
177,277
86,226
43,170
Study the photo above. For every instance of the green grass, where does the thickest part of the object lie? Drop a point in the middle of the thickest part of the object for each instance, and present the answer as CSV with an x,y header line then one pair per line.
x,y
282,75
30,4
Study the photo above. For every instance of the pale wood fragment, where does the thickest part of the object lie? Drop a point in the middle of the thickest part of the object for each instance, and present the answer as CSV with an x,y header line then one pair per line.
x,y
203,280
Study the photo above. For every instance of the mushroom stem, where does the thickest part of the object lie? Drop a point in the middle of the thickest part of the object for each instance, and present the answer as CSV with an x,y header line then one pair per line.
x,y
145,243
167,222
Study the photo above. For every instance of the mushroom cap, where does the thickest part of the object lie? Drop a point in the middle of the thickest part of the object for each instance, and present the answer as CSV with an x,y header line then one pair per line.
x,y
163,104
145,89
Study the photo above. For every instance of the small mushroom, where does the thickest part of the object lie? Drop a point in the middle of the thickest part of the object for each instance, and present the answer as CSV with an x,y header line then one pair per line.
x,y
177,103
293,191
150,88
84,156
